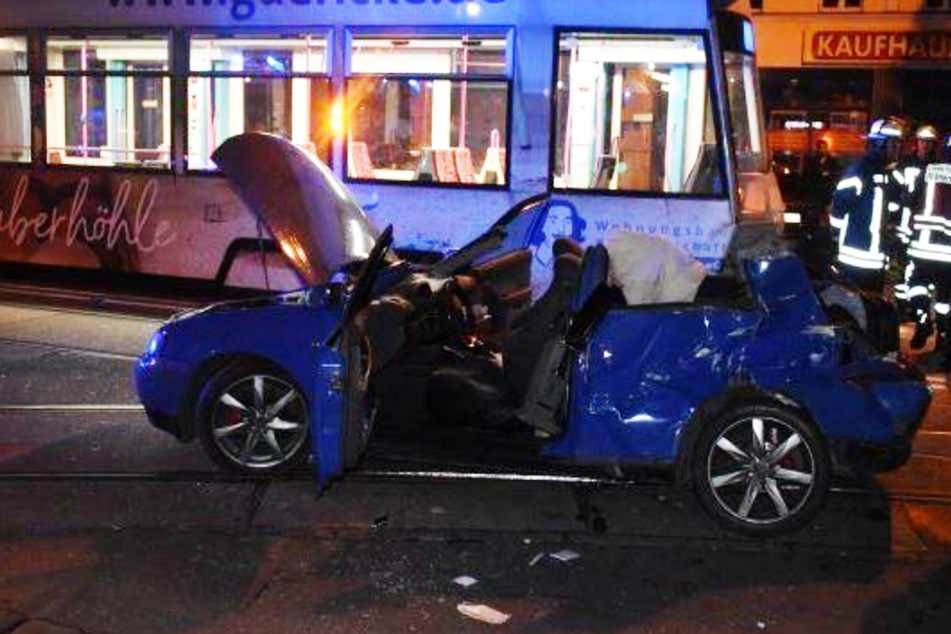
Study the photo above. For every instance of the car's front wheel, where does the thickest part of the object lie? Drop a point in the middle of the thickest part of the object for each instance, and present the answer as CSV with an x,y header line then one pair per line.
x,y
761,469
252,419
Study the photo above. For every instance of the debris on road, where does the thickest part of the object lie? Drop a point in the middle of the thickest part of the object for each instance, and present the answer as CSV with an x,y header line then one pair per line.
x,y
565,555
483,613
537,558
465,581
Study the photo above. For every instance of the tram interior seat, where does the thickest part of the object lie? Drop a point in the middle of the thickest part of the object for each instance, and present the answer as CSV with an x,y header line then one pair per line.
x,y
705,178
604,173
464,166
446,166
359,164
493,168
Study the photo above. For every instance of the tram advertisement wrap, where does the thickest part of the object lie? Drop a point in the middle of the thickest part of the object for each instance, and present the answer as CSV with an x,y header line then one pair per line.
x,y
134,223
197,227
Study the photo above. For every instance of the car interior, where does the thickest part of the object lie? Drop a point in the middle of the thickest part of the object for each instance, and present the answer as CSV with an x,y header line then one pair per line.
x,y
473,353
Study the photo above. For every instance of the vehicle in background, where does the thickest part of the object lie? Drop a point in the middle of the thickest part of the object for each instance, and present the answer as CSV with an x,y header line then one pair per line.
x,y
643,119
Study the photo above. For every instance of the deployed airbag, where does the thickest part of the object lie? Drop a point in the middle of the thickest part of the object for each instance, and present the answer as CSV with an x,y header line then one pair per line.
x,y
652,270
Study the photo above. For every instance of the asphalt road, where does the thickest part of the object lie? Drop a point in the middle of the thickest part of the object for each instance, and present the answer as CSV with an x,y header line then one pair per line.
x,y
108,525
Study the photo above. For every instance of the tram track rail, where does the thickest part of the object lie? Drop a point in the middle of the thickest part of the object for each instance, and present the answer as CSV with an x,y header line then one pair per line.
x,y
393,475
402,468
88,301
50,348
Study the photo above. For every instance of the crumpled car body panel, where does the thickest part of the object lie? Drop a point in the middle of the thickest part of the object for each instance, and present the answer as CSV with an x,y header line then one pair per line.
x,y
647,371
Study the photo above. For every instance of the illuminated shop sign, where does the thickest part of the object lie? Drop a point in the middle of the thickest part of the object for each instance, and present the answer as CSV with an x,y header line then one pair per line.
x,y
877,47
246,9
803,125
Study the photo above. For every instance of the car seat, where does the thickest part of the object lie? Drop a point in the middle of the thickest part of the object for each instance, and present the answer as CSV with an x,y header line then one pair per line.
x,y
544,320
545,374
470,388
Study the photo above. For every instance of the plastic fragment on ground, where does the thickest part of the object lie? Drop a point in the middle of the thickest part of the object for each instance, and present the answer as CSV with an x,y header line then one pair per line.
x,y
537,558
465,581
565,555
483,613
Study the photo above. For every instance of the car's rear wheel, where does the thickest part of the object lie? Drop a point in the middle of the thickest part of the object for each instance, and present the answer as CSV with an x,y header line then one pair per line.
x,y
762,470
252,419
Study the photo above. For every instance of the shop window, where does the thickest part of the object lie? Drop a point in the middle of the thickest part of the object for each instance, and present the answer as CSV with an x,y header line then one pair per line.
x,y
841,4
633,113
15,105
257,83
428,110
107,101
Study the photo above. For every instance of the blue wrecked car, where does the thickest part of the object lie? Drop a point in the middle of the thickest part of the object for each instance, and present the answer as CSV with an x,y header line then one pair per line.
x,y
749,392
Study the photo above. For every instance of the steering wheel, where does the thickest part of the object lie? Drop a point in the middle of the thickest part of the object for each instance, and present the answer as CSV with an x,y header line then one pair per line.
x,y
363,286
458,309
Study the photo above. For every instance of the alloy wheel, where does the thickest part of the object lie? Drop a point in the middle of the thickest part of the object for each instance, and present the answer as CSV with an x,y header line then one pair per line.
x,y
761,470
259,422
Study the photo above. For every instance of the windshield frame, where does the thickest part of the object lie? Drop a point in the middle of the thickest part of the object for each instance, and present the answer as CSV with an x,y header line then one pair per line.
x,y
744,102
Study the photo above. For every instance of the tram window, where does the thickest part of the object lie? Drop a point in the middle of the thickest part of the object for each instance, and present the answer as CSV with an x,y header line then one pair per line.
x,y
107,101
633,113
428,110
15,106
257,83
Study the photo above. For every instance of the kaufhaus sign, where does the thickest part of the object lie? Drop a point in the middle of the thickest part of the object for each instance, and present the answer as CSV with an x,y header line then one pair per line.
x,y
882,48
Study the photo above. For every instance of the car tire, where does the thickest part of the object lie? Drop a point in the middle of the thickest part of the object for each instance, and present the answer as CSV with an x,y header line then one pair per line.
x,y
253,420
761,469
360,407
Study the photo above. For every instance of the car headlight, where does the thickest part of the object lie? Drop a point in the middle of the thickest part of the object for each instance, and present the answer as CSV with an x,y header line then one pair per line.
x,y
156,343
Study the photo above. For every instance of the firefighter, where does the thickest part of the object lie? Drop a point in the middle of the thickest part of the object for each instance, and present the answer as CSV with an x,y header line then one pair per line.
x,y
859,208
911,173
930,252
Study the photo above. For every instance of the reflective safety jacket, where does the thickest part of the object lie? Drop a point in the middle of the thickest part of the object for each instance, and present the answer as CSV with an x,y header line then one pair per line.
x,y
931,229
910,174
859,215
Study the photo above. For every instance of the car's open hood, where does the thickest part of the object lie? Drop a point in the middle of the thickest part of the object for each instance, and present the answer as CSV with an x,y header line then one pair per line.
x,y
304,205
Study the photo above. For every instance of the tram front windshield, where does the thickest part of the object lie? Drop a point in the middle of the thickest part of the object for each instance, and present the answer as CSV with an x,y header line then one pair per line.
x,y
746,120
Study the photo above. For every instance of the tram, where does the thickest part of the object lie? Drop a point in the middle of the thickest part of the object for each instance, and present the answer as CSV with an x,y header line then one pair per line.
x,y
439,115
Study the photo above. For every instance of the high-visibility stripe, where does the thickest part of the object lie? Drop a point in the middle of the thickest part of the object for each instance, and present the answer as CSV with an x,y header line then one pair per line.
x,y
937,220
911,178
838,223
893,207
916,291
861,263
927,254
869,256
941,308
898,177
875,226
849,183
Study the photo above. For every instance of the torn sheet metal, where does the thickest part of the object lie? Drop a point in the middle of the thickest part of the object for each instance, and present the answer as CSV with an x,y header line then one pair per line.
x,y
647,370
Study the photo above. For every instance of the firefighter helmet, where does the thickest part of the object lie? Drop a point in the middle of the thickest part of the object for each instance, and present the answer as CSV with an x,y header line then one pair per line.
x,y
883,129
926,133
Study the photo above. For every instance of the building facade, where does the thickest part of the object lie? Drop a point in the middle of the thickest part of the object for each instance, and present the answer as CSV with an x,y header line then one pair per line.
x,y
830,67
